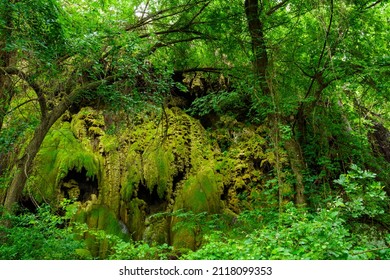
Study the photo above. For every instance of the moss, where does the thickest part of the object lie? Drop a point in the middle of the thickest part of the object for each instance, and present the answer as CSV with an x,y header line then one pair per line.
x,y
87,123
132,175
156,230
99,218
171,157
158,170
200,193
157,155
61,152
246,164
110,183
109,143
184,238
137,215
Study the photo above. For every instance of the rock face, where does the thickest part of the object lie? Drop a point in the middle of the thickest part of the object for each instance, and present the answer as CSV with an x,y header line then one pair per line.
x,y
123,172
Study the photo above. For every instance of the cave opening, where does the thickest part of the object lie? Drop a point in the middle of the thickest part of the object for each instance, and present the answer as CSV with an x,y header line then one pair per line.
x,y
77,185
177,180
152,199
27,203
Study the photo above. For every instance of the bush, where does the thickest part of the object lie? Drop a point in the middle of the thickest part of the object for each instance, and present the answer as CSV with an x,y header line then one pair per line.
x,y
293,234
40,236
362,195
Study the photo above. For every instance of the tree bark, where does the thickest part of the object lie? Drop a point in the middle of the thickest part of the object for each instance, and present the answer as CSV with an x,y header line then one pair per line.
x,y
259,49
6,91
261,68
25,162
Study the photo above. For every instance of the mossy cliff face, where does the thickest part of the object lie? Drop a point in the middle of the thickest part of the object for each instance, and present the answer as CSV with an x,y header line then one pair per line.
x,y
127,169
246,163
130,169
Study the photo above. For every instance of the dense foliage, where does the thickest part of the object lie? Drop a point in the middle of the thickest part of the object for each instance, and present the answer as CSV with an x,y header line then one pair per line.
x,y
211,129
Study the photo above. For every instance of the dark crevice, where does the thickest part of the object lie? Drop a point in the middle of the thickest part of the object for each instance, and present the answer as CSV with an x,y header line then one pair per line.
x,y
176,180
77,185
152,199
27,203
224,195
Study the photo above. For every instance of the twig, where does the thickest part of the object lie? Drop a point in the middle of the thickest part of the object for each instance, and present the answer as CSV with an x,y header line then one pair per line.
x,y
372,250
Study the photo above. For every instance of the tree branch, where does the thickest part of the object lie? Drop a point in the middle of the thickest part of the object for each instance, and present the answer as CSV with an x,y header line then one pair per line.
x,y
198,13
372,250
38,90
327,35
276,7
161,14
373,4
20,105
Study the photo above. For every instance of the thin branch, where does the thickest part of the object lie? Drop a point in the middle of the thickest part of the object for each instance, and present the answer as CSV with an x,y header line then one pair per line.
x,y
276,7
373,4
38,90
20,105
372,250
327,35
161,14
318,73
303,71
198,13
145,8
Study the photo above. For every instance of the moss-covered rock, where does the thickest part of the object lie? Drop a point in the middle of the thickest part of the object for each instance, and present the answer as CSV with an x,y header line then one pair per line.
x,y
148,164
61,152
99,218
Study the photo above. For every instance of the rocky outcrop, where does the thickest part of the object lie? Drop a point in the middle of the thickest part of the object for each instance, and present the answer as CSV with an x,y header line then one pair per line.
x,y
129,176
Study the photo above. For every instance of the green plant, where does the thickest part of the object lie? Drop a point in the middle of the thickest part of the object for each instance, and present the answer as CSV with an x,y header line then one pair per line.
x,y
293,233
362,194
38,236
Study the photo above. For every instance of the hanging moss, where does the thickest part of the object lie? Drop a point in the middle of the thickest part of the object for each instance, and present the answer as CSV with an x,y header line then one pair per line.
x,y
200,193
137,215
245,165
158,170
87,123
132,175
109,143
156,164
60,153
100,217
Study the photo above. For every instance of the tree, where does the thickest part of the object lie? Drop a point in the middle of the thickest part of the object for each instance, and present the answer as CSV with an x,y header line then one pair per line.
x,y
299,54
303,56
256,13
5,58
109,55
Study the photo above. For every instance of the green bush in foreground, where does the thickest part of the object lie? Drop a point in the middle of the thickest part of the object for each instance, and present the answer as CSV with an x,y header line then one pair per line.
x,y
296,235
350,226
40,236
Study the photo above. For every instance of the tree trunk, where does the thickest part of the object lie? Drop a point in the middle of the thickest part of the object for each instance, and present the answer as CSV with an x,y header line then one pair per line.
x,y
297,165
255,27
24,164
6,91
261,68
